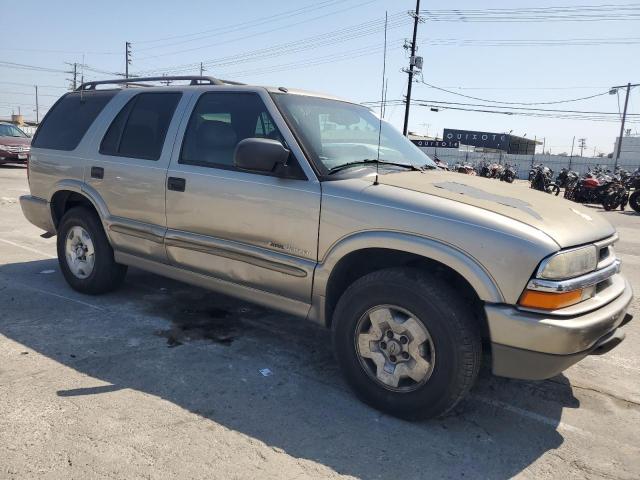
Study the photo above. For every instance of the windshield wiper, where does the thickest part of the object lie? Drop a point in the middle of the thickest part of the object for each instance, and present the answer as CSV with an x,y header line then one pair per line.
x,y
368,161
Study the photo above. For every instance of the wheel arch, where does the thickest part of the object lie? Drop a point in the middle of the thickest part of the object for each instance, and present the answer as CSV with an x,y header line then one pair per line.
x,y
365,252
70,193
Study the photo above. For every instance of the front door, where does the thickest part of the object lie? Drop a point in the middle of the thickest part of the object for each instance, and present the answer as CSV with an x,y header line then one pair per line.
x,y
251,229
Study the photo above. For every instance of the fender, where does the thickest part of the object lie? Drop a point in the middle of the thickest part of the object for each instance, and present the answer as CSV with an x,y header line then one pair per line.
x,y
468,267
78,186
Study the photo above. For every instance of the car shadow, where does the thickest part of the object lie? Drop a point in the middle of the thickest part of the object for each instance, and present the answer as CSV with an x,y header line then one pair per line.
x,y
13,166
269,376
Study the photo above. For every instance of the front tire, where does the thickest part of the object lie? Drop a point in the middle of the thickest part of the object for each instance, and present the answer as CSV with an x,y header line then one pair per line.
x,y
406,343
85,255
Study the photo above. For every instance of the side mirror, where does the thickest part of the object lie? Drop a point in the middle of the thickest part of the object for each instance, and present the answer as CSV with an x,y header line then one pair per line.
x,y
259,154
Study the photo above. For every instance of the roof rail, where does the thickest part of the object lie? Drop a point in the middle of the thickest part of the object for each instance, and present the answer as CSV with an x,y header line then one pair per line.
x,y
137,81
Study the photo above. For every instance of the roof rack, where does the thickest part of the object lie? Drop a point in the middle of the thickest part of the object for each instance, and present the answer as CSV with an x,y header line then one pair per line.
x,y
137,81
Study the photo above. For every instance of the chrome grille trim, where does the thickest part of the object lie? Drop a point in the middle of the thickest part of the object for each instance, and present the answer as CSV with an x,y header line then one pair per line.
x,y
583,281
17,149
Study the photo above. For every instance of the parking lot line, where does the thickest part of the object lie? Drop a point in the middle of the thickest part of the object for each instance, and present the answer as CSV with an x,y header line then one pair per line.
x,y
29,249
46,292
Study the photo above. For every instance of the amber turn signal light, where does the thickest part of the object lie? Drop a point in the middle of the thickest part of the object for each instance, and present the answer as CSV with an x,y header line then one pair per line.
x,y
548,300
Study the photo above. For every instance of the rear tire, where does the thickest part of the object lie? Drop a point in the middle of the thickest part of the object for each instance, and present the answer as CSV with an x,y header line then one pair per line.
x,y
447,339
553,189
634,200
85,255
610,202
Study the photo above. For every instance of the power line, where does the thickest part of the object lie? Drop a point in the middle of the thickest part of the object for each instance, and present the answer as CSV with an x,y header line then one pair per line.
x,y
575,13
341,35
548,110
527,114
257,21
3,92
537,42
244,27
515,103
333,58
4,63
30,85
71,52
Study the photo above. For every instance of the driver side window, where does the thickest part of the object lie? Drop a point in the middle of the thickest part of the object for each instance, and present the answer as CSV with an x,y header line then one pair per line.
x,y
219,122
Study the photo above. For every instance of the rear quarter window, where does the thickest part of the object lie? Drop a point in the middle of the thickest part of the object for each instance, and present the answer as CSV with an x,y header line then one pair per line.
x,y
69,119
140,128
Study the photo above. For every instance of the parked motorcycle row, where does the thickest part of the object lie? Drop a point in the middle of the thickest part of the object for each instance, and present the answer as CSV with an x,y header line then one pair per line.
x,y
599,185
505,173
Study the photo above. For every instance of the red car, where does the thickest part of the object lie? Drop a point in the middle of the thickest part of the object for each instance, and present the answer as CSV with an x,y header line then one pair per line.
x,y
15,145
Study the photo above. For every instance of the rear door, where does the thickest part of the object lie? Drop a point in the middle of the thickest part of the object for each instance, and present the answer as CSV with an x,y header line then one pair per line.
x,y
129,165
256,230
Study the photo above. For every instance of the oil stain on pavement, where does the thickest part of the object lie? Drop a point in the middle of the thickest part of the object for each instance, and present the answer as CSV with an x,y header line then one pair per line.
x,y
198,315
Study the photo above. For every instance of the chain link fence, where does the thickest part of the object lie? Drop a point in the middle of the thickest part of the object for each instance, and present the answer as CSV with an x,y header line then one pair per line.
x,y
524,162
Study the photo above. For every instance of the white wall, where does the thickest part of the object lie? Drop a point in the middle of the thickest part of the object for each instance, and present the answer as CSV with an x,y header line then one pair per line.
x,y
523,162
630,150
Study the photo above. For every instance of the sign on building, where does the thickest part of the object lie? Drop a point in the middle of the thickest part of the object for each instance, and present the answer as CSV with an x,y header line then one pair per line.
x,y
436,143
496,141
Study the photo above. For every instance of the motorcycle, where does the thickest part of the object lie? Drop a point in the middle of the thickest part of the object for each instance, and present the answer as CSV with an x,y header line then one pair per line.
x,y
509,173
633,182
566,177
465,168
599,186
540,177
483,170
440,165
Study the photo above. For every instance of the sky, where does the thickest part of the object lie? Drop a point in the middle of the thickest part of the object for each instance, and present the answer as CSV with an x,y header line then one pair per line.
x,y
336,47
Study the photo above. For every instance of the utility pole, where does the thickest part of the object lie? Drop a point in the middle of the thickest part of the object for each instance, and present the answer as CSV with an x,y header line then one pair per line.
x,y
74,74
613,91
127,49
571,157
202,69
37,108
582,143
416,20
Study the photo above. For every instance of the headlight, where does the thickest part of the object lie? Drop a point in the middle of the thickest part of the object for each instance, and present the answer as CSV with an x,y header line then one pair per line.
x,y
569,263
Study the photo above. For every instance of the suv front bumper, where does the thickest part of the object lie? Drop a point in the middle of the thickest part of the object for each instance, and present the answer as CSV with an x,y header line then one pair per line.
x,y
534,346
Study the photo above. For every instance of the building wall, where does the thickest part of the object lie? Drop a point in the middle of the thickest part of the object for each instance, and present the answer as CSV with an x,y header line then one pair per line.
x,y
630,150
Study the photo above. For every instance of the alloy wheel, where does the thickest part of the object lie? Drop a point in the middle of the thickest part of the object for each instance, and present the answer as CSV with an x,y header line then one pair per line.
x,y
394,348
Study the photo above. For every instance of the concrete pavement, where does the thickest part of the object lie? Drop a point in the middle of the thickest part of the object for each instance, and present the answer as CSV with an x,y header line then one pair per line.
x,y
162,380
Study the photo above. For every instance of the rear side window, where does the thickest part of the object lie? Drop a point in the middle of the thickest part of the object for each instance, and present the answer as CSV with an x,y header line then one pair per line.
x,y
70,118
140,128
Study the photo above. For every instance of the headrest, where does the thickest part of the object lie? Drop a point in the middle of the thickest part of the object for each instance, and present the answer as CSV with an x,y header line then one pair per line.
x,y
216,134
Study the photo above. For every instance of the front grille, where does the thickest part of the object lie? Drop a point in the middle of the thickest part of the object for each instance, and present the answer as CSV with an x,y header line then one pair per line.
x,y
18,148
606,253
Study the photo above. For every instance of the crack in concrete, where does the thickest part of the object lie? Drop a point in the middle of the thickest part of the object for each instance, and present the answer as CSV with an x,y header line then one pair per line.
x,y
607,394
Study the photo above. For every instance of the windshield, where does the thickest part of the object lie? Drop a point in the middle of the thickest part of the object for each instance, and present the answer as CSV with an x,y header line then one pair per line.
x,y
336,133
11,131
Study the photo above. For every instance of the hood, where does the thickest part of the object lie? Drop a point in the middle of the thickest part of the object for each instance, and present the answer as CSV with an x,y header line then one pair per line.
x,y
566,222
14,141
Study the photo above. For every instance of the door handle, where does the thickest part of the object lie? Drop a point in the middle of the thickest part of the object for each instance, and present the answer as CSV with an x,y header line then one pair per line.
x,y
97,172
176,184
